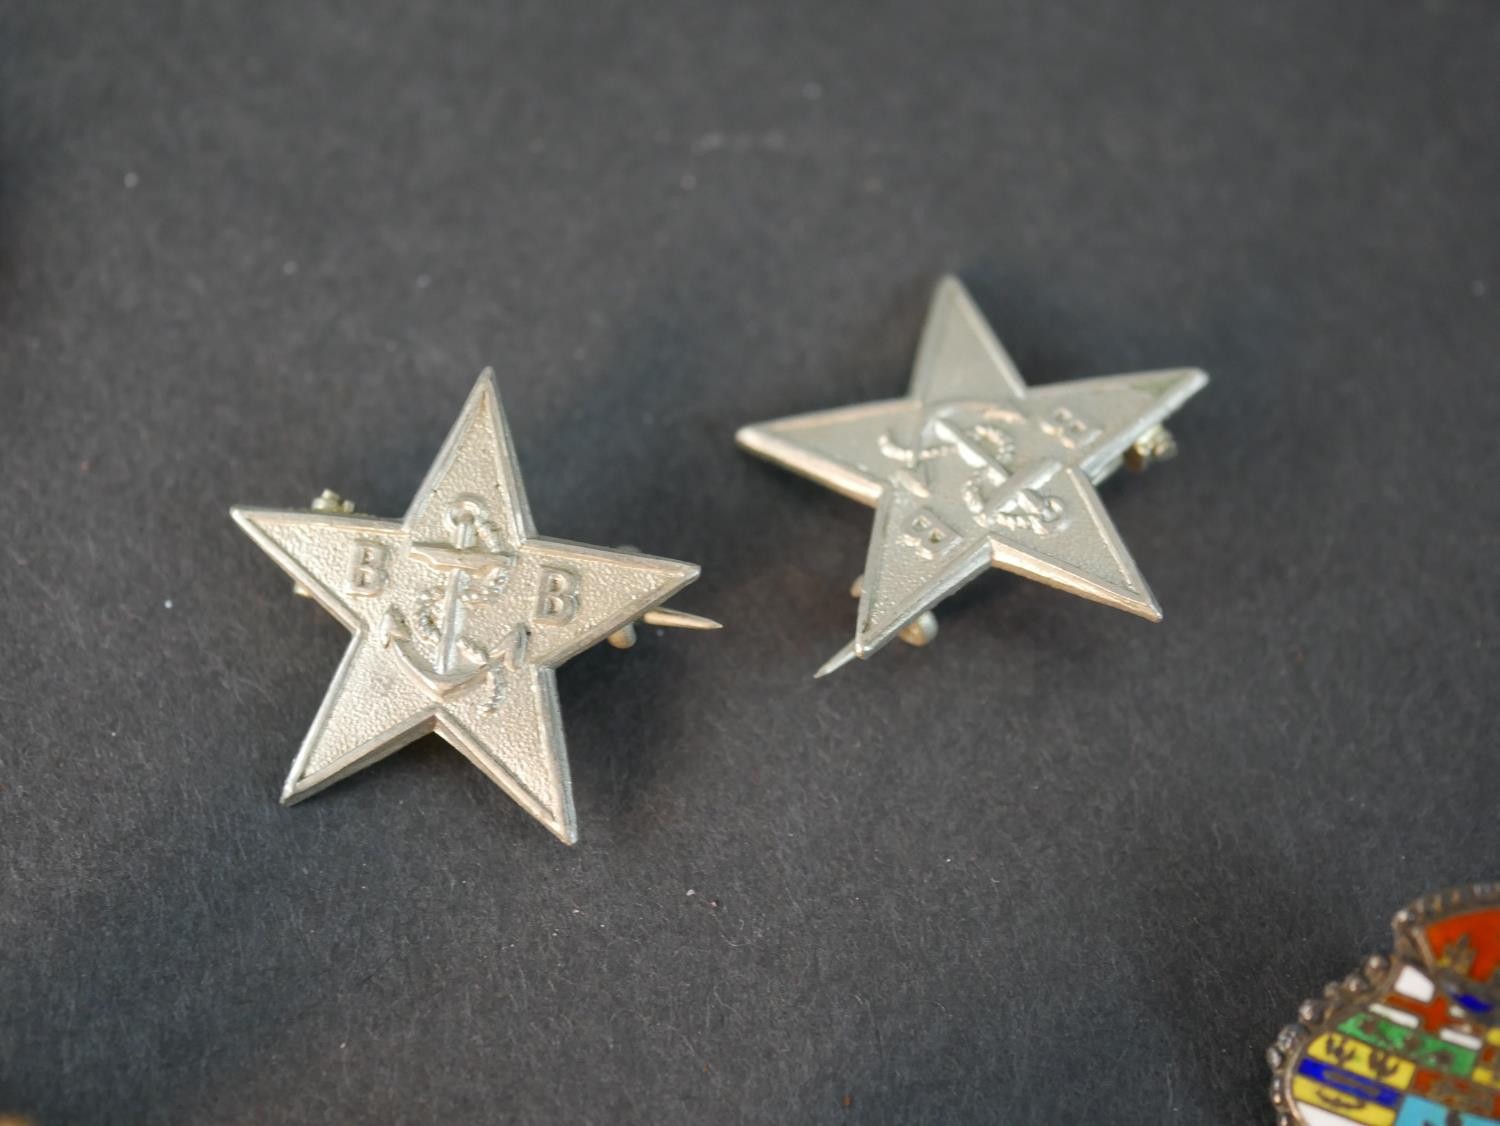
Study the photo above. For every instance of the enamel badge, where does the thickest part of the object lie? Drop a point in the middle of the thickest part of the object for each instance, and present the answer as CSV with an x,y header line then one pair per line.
x,y
460,614
973,470
1412,1039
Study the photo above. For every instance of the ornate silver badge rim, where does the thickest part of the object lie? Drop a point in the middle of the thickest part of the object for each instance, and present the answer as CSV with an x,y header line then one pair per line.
x,y
1377,974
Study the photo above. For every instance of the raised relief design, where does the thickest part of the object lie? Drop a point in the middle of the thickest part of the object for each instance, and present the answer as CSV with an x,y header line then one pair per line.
x,y
558,596
929,536
368,573
999,494
910,456
1067,428
473,571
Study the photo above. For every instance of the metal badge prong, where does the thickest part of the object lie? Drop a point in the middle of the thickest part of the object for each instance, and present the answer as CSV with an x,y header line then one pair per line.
x,y
662,617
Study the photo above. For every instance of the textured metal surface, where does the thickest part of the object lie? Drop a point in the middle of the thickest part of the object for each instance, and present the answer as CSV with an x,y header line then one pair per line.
x,y
460,612
974,469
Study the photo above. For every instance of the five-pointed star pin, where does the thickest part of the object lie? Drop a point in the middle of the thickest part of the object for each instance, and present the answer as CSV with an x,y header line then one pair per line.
x,y
460,613
973,469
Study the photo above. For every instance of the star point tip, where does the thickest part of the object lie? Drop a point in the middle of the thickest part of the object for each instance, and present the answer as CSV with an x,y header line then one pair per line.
x,y
486,383
298,789
950,289
748,437
244,515
837,661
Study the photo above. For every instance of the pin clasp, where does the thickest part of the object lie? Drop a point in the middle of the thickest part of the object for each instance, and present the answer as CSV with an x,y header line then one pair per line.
x,y
1155,445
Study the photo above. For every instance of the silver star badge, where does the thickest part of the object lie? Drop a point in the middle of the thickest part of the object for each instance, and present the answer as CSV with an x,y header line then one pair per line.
x,y
973,469
460,614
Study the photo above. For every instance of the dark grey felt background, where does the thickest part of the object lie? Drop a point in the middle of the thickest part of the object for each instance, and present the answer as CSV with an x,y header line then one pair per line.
x,y
1064,866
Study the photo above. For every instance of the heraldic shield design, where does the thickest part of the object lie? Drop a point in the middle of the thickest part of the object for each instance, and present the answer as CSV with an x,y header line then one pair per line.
x,y
1412,1039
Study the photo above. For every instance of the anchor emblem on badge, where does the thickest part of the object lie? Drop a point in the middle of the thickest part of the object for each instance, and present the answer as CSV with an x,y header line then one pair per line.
x,y
999,495
996,494
475,570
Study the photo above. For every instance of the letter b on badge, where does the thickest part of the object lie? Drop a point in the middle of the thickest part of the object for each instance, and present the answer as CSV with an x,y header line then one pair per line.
x,y
367,568
557,597
929,536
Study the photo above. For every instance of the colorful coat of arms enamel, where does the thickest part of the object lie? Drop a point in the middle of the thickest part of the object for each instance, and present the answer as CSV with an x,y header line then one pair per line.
x,y
1412,1039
